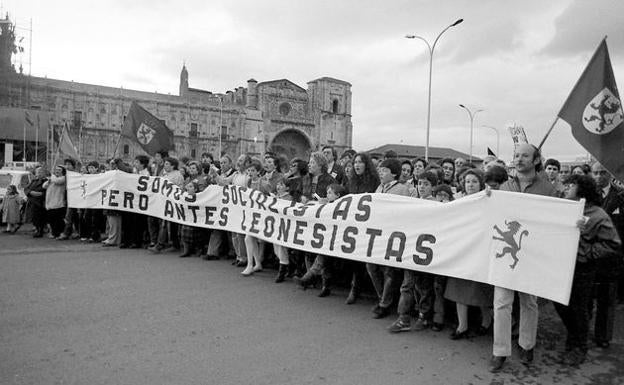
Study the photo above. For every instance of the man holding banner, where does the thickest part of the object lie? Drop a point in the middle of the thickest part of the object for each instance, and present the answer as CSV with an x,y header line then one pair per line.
x,y
527,160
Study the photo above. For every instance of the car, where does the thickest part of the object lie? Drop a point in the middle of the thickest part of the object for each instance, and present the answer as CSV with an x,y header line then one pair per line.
x,y
14,176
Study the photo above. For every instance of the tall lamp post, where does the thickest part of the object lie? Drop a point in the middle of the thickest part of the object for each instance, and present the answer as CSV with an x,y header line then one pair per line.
x,y
472,116
497,139
431,49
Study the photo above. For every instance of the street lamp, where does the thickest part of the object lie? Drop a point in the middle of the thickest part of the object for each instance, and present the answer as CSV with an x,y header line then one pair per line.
x,y
472,116
431,49
497,139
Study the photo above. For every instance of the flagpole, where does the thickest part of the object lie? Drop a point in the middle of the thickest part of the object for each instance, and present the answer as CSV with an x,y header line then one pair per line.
x,y
570,94
548,133
24,154
116,146
37,139
58,149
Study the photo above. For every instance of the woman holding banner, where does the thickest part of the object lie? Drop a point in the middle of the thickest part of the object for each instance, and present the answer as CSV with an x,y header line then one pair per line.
x,y
315,185
56,201
364,180
598,240
238,178
470,293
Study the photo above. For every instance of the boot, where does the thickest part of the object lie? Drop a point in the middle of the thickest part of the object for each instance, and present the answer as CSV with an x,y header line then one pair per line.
x,y
281,273
187,252
352,297
325,290
305,281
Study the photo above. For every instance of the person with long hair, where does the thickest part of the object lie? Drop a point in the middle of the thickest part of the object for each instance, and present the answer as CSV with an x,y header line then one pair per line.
x,y
364,179
315,185
599,239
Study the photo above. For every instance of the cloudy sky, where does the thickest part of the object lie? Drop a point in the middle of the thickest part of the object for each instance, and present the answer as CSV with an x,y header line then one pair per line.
x,y
516,60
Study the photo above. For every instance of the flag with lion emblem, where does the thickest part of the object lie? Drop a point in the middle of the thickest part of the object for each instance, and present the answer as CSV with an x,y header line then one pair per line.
x,y
594,110
147,130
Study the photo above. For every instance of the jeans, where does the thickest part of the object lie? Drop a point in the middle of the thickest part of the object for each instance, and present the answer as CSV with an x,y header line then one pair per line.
x,y
383,279
416,289
503,302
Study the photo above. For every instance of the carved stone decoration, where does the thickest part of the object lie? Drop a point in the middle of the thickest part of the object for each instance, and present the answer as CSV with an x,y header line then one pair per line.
x,y
291,143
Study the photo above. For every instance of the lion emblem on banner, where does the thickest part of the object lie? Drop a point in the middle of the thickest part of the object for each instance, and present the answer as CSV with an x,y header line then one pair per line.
x,y
508,237
603,113
145,134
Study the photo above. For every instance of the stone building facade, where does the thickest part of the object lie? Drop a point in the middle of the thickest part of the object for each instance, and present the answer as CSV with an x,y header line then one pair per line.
x,y
276,115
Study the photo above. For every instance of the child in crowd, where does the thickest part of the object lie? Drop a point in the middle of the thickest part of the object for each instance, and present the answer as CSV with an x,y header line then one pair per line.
x,y
323,264
190,234
417,288
11,209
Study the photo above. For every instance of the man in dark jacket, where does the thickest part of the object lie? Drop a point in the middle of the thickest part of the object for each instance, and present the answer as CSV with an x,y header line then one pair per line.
x,y
609,270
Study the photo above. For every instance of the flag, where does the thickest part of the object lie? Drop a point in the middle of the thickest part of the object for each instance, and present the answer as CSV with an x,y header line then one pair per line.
x,y
28,118
147,130
490,152
66,146
594,111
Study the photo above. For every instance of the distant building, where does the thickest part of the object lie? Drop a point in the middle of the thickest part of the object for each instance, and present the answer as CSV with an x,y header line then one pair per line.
x,y
275,115
436,154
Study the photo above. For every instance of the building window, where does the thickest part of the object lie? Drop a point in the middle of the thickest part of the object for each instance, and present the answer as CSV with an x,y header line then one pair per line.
x,y
126,149
77,118
224,132
193,153
285,109
193,131
335,106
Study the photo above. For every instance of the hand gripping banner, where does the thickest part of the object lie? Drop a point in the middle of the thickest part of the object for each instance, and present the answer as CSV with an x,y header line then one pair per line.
x,y
519,241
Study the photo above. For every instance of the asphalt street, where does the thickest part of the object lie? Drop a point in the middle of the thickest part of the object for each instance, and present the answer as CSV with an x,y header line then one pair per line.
x,y
76,313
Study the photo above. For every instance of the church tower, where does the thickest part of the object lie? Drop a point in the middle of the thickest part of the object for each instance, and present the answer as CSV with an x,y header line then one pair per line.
x,y
183,81
7,45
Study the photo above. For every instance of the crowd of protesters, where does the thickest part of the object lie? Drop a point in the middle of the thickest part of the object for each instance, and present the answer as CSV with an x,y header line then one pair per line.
x,y
421,300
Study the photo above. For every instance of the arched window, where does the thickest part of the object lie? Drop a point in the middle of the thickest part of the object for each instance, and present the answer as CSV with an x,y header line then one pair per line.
x,y
335,106
126,149
101,148
285,109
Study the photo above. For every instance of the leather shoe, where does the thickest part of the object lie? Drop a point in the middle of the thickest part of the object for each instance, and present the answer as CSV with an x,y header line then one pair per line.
x,y
325,291
526,356
381,312
459,335
496,364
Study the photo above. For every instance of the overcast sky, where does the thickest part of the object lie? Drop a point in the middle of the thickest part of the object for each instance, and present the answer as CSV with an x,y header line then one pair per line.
x,y
516,60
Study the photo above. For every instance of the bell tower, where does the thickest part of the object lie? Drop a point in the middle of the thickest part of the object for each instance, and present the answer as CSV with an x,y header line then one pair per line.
x,y
7,44
184,81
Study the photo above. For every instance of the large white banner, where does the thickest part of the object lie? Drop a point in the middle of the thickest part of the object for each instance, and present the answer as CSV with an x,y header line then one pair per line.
x,y
518,241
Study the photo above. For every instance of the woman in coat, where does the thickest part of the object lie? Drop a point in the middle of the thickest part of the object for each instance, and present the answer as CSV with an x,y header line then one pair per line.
x,y
599,239
35,204
470,293
56,201
364,179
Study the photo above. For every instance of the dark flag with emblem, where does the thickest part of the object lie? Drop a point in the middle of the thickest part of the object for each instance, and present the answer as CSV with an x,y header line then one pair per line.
x,y
147,130
594,110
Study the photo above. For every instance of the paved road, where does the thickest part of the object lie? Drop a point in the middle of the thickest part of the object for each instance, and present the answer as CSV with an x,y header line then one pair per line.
x,y
74,313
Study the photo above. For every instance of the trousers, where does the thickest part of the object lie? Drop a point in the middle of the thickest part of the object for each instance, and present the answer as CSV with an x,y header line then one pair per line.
x,y
529,314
